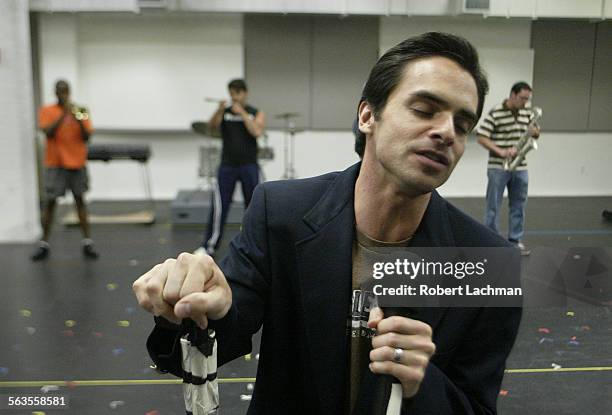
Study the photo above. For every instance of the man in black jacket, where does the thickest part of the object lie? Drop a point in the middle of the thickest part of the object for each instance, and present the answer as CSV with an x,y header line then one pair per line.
x,y
291,269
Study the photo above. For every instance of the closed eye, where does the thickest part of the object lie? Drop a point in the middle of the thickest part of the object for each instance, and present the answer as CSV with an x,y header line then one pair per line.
x,y
422,113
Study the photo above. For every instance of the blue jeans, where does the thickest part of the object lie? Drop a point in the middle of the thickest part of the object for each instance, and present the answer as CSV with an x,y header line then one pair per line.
x,y
228,175
517,183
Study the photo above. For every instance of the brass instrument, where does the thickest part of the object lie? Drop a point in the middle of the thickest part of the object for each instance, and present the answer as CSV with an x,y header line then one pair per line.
x,y
80,113
525,144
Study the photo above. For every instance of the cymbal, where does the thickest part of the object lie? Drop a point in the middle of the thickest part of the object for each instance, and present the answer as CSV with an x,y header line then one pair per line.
x,y
287,115
201,127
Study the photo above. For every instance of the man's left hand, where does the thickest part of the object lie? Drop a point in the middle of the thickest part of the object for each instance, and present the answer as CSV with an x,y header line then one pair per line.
x,y
413,337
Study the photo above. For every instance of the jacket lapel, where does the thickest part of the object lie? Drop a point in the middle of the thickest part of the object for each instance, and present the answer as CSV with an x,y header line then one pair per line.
x,y
434,231
325,268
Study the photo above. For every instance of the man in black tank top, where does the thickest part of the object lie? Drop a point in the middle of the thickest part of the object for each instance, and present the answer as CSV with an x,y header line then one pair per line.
x,y
240,125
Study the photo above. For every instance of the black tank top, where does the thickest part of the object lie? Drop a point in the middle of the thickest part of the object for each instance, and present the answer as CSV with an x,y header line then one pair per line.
x,y
239,146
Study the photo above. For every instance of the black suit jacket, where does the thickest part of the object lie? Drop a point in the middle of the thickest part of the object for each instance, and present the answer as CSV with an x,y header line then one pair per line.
x,y
290,270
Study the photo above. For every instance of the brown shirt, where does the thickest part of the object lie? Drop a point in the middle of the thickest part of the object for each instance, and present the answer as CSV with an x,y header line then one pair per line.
x,y
366,251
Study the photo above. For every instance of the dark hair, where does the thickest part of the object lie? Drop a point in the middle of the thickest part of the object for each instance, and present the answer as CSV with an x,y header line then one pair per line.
x,y
237,85
63,83
387,72
519,86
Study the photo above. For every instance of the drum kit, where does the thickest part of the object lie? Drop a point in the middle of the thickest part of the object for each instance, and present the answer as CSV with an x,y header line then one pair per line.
x,y
210,152
289,132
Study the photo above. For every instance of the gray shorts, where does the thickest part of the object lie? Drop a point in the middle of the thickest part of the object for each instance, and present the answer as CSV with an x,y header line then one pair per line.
x,y
58,180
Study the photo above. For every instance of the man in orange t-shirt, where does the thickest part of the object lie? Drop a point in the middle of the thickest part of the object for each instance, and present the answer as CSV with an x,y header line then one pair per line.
x,y
68,129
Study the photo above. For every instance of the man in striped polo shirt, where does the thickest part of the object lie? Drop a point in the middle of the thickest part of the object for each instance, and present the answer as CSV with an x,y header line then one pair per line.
x,y
499,132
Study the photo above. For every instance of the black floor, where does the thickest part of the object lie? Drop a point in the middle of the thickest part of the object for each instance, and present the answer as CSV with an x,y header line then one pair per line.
x,y
73,325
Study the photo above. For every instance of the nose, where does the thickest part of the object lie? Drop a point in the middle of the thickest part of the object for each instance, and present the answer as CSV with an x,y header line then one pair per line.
x,y
444,129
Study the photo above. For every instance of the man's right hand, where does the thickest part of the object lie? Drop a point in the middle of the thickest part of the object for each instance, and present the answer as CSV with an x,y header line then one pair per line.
x,y
190,286
507,152
222,105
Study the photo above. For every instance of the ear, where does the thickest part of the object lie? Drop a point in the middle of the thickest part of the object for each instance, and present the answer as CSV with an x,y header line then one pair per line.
x,y
366,118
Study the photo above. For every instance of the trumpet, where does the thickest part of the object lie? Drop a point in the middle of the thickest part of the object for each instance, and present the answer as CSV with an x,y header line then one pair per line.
x,y
80,113
525,144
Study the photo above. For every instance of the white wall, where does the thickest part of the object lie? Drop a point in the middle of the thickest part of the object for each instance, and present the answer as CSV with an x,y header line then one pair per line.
x,y
154,70
141,71
558,168
18,180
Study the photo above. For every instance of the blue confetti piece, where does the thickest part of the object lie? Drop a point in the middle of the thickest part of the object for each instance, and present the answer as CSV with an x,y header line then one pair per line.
x,y
573,343
117,351
4,371
129,310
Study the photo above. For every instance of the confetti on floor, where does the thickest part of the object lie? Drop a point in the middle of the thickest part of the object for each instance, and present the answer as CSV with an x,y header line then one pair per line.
x,y
111,286
116,404
249,387
133,262
570,314
546,340
543,330
503,392
245,397
25,312
555,366
4,371
68,333
30,330
49,388
123,323
70,323
118,351
248,357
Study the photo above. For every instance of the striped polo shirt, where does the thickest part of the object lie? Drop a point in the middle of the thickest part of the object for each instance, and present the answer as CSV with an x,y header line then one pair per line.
x,y
505,127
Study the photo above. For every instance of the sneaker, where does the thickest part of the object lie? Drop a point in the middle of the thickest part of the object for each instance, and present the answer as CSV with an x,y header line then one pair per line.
x,y
41,252
88,249
523,248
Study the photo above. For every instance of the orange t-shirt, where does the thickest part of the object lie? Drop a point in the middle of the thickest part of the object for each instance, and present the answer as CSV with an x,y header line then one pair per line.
x,y
66,148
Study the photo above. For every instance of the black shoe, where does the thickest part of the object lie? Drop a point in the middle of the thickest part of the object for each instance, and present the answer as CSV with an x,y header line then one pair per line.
x,y
42,251
88,249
